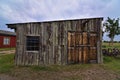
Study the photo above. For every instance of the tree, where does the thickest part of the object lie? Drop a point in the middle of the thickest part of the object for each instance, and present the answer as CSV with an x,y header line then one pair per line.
x,y
112,28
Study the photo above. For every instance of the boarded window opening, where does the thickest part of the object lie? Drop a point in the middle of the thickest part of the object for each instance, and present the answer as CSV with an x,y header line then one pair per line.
x,y
32,43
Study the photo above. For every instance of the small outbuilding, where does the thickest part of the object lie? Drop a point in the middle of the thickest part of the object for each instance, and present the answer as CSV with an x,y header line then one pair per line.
x,y
7,39
58,42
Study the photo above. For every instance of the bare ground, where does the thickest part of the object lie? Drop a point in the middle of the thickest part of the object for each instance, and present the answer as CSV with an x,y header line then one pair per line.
x,y
95,72
7,52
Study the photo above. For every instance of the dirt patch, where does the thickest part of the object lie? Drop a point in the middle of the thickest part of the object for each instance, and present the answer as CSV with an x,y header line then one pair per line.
x,y
93,73
7,52
7,77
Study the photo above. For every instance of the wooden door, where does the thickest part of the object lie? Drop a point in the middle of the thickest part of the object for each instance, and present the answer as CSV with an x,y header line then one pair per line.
x,y
93,47
78,47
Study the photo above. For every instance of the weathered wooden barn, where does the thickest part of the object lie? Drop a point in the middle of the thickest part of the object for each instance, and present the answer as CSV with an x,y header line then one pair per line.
x,y
58,42
7,39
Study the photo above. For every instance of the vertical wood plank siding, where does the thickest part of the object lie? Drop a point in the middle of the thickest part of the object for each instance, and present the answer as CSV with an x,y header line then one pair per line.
x,y
54,45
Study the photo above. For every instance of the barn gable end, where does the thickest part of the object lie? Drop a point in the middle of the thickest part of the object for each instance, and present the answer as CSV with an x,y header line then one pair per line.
x,y
58,42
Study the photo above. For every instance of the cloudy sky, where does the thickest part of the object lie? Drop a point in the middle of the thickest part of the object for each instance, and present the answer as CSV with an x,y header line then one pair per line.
x,y
16,11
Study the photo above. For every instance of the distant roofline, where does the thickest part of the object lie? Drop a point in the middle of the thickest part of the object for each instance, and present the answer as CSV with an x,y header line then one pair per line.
x,y
8,33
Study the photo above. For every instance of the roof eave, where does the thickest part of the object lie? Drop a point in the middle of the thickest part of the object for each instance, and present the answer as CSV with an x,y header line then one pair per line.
x,y
11,26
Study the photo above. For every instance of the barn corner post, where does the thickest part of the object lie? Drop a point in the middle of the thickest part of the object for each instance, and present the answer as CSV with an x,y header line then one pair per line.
x,y
99,43
101,37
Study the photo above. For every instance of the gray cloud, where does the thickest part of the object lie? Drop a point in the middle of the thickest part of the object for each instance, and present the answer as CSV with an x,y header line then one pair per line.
x,y
12,11
37,10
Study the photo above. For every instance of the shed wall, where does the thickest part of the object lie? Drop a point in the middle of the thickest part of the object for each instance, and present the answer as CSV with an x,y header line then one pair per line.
x,y
53,40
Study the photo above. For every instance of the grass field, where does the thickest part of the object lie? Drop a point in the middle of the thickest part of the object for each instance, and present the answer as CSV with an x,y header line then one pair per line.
x,y
6,49
110,70
6,62
115,45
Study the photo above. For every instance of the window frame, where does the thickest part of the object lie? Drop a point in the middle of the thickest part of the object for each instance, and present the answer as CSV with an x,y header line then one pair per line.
x,y
34,48
6,41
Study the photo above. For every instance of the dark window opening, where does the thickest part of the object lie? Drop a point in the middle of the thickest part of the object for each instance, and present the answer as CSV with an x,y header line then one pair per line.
x,y
32,43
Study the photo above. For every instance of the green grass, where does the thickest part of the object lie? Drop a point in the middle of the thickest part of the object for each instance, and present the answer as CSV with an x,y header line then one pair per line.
x,y
60,67
6,62
112,63
115,45
6,49
7,65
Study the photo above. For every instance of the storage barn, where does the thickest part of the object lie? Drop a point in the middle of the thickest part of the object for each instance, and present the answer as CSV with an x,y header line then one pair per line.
x,y
58,42
7,39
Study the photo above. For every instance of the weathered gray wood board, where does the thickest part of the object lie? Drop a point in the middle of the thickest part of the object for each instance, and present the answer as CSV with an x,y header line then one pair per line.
x,y
60,42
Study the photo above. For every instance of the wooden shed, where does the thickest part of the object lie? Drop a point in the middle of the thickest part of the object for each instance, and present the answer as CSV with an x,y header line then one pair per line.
x,y
58,42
